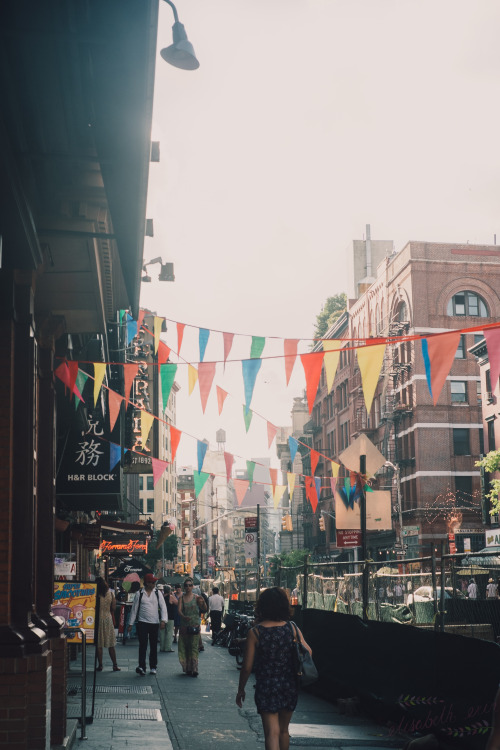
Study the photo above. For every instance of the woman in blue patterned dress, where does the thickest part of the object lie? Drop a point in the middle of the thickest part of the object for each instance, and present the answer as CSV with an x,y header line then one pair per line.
x,y
270,645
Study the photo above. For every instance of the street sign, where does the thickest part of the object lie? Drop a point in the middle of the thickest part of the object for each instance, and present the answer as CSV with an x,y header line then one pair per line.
x,y
250,544
348,538
251,523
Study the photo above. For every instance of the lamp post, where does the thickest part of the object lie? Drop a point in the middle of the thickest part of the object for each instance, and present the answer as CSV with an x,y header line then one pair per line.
x,y
397,474
180,54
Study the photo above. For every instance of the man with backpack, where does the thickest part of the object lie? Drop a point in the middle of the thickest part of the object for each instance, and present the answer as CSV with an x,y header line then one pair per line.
x,y
150,612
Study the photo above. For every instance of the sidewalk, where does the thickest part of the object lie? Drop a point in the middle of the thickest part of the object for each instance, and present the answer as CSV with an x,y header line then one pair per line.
x,y
171,711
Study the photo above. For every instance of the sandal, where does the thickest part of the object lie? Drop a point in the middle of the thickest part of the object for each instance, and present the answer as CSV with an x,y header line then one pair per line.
x,y
116,668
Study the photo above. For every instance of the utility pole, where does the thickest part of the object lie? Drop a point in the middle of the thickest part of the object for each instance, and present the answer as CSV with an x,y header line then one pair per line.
x,y
258,551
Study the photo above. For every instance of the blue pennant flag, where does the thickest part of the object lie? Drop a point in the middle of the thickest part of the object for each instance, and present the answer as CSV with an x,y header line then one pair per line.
x,y
131,330
204,333
115,454
202,449
427,363
317,481
251,368
293,448
349,494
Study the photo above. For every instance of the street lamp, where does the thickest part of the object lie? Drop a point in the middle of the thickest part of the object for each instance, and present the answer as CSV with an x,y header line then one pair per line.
x,y
180,54
166,273
397,473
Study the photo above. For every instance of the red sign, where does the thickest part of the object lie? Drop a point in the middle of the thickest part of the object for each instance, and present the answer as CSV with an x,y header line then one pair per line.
x,y
453,548
348,538
197,542
132,545
251,523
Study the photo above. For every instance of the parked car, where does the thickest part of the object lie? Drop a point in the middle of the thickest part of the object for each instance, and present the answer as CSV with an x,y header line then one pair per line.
x,y
426,594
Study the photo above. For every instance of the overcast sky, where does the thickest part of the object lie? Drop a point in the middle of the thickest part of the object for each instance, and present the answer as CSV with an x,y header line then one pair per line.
x,y
306,120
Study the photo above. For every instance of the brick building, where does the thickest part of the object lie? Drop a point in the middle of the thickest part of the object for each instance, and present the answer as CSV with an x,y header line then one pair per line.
x,y
426,288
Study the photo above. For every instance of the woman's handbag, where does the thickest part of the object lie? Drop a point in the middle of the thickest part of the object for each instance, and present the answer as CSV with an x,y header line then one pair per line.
x,y
192,630
302,660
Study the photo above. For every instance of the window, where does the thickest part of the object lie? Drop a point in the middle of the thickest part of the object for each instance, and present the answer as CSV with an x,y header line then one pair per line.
x,y
460,353
461,442
141,483
479,392
140,506
150,505
458,391
491,434
463,488
467,303
150,483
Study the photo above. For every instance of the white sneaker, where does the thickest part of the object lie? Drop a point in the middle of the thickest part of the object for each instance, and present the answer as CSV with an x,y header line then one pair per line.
x,y
152,671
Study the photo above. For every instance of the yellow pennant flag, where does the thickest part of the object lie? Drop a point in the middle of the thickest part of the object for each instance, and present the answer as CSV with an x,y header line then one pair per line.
x,y
370,359
335,469
193,377
331,360
157,324
99,373
279,491
290,477
146,423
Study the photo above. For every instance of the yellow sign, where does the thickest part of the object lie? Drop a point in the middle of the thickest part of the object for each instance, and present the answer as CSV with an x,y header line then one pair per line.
x,y
76,603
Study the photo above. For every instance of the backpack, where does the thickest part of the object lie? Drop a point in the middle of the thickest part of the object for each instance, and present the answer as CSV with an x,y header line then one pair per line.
x,y
141,592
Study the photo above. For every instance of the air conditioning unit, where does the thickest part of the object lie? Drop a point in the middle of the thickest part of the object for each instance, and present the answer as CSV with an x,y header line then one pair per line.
x,y
490,398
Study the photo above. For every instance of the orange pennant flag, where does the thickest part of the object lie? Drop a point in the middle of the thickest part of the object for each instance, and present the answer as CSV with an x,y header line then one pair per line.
x,y
312,364
290,356
192,377
180,335
221,397
314,461
73,374
442,350
271,433
140,318
157,326
175,436
129,375
240,487
228,342
114,403
147,420
163,353
206,374
274,478
331,360
99,373
229,459
311,493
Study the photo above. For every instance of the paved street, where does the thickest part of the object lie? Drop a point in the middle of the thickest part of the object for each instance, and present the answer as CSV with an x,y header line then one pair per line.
x,y
171,710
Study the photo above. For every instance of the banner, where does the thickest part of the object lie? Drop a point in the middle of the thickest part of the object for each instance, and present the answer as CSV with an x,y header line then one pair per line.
x,y
76,603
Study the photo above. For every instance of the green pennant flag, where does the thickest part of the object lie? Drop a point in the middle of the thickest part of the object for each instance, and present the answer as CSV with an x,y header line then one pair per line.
x,y
258,344
199,481
250,471
122,313
81,379
167,374
247,416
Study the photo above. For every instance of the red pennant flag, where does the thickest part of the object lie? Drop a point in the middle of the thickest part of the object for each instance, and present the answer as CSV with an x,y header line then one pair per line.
x,y
221,397
180,334
271,433
158,469
442,350
240,487
63,373
274,478
73,374
163,353
129,374
312,364
114,403
311,493
314,461
175,436
206,374
228,342
229,459
140,318
290,356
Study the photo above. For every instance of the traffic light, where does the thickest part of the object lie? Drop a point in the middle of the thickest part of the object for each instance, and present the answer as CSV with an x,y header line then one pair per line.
x,y
322,523
286,523
283,522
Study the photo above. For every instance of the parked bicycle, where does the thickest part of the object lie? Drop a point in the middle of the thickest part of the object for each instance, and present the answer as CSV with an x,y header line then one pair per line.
x,y
237,647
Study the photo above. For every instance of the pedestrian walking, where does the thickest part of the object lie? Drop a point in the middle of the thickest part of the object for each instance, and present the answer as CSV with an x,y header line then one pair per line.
x,y
106,637
270,646
166,635
472,589
491,589
189,609
150,612
177,619
216,608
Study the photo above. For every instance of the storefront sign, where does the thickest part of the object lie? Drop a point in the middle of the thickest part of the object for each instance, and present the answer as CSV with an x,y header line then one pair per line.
x,y
64,568
130,546
493,538
76,602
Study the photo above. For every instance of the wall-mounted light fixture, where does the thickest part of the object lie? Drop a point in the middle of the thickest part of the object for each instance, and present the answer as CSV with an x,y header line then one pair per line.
x,y
166,273
181,52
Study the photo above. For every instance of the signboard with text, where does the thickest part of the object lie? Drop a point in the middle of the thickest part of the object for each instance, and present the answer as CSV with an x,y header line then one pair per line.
x,y
348,538
75,601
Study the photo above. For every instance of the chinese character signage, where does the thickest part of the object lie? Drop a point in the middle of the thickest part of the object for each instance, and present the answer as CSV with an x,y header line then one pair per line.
x,y
76,603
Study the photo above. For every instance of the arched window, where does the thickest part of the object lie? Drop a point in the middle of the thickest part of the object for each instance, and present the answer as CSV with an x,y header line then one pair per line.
x,y
403,313
467,303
